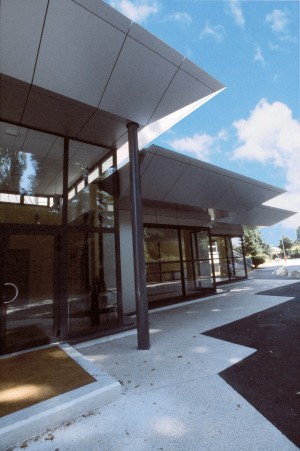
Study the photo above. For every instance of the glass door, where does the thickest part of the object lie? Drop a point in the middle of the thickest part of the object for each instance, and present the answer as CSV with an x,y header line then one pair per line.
x,y
26,291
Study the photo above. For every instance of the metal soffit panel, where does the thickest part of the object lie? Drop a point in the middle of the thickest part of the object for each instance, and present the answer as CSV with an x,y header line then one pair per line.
x,y
77,54
263,216
75,60
175,179
21,25
226,189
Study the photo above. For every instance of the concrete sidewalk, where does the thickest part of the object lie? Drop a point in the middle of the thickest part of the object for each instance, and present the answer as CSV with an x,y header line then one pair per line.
x,y
172,396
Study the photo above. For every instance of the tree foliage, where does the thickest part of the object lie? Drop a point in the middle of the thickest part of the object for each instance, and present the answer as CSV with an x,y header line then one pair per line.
x,y
254,244
298,234
287,243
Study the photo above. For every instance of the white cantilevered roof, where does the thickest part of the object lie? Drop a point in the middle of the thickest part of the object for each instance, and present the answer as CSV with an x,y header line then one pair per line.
x,y
81,69
169,178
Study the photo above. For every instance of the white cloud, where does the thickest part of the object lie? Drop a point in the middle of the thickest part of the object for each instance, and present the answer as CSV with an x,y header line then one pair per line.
x,y
272,136
278,20
258,56
216,32
223,134
198,146
181,18
136,10
235,10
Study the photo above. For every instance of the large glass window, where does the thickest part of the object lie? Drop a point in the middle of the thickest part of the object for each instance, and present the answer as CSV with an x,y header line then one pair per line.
x,y
178,262
162,256
31,176
64,264
92,300
27,292
198,274
228,262
91,186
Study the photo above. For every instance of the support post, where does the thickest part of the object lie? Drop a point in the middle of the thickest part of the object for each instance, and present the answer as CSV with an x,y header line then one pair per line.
x,y
138,240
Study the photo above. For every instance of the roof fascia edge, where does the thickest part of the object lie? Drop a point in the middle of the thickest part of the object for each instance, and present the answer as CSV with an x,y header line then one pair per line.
x,y
151,131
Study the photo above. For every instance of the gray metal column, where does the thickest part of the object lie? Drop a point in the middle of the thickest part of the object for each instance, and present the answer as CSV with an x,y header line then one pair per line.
x,y
138,239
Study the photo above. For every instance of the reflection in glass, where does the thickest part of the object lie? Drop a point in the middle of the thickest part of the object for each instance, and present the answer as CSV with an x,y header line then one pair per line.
x,y
198,275
161,244
92,301
30,174
229,264
220,259
163,267
29,266
91,206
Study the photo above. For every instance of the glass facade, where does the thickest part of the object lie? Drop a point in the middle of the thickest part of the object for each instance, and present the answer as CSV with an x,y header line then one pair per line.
x,y
188,262
178,262
92,288
228,264
163,263
58,272
28,291
196,253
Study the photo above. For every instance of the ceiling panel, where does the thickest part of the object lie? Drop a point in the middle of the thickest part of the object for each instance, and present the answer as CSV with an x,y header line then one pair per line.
x,y
104,128
183,90
13,96
55,114
39,143
21,24
78,52
158,179
179,193
85,155
11,136
139,79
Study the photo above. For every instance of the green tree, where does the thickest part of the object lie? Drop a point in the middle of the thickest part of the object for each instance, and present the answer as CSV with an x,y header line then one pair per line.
x,y
298,234
286,245
254,244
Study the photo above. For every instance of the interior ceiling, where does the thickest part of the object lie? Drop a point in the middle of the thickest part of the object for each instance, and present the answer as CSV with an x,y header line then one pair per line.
x,y
81,69
169,178
34,160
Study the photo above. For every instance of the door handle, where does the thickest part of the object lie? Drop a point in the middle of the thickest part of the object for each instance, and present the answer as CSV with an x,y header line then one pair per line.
x,y
16,294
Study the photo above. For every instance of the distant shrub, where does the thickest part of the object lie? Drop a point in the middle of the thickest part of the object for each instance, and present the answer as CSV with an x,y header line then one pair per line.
x,y
258,260
295,253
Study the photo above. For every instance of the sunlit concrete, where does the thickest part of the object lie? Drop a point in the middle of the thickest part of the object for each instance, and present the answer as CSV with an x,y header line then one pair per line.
x,y
173,398
56,411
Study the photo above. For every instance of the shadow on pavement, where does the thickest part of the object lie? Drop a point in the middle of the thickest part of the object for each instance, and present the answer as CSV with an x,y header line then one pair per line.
x,y
270,378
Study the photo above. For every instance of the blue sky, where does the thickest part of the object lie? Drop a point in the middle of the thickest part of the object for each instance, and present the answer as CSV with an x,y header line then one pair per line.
x,y
253,127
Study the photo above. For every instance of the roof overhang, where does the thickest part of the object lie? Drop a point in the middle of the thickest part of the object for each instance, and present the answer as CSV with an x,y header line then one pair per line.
x,y
83,70
191,188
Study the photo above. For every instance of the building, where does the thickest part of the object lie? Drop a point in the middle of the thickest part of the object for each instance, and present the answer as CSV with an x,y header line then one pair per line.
x,y
82,87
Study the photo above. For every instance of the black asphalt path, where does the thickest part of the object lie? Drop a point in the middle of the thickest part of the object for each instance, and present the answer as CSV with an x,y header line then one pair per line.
x,y
269,379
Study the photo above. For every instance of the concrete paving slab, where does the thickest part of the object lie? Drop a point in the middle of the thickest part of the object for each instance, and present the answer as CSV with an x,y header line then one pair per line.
x,y
172,396
59,410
